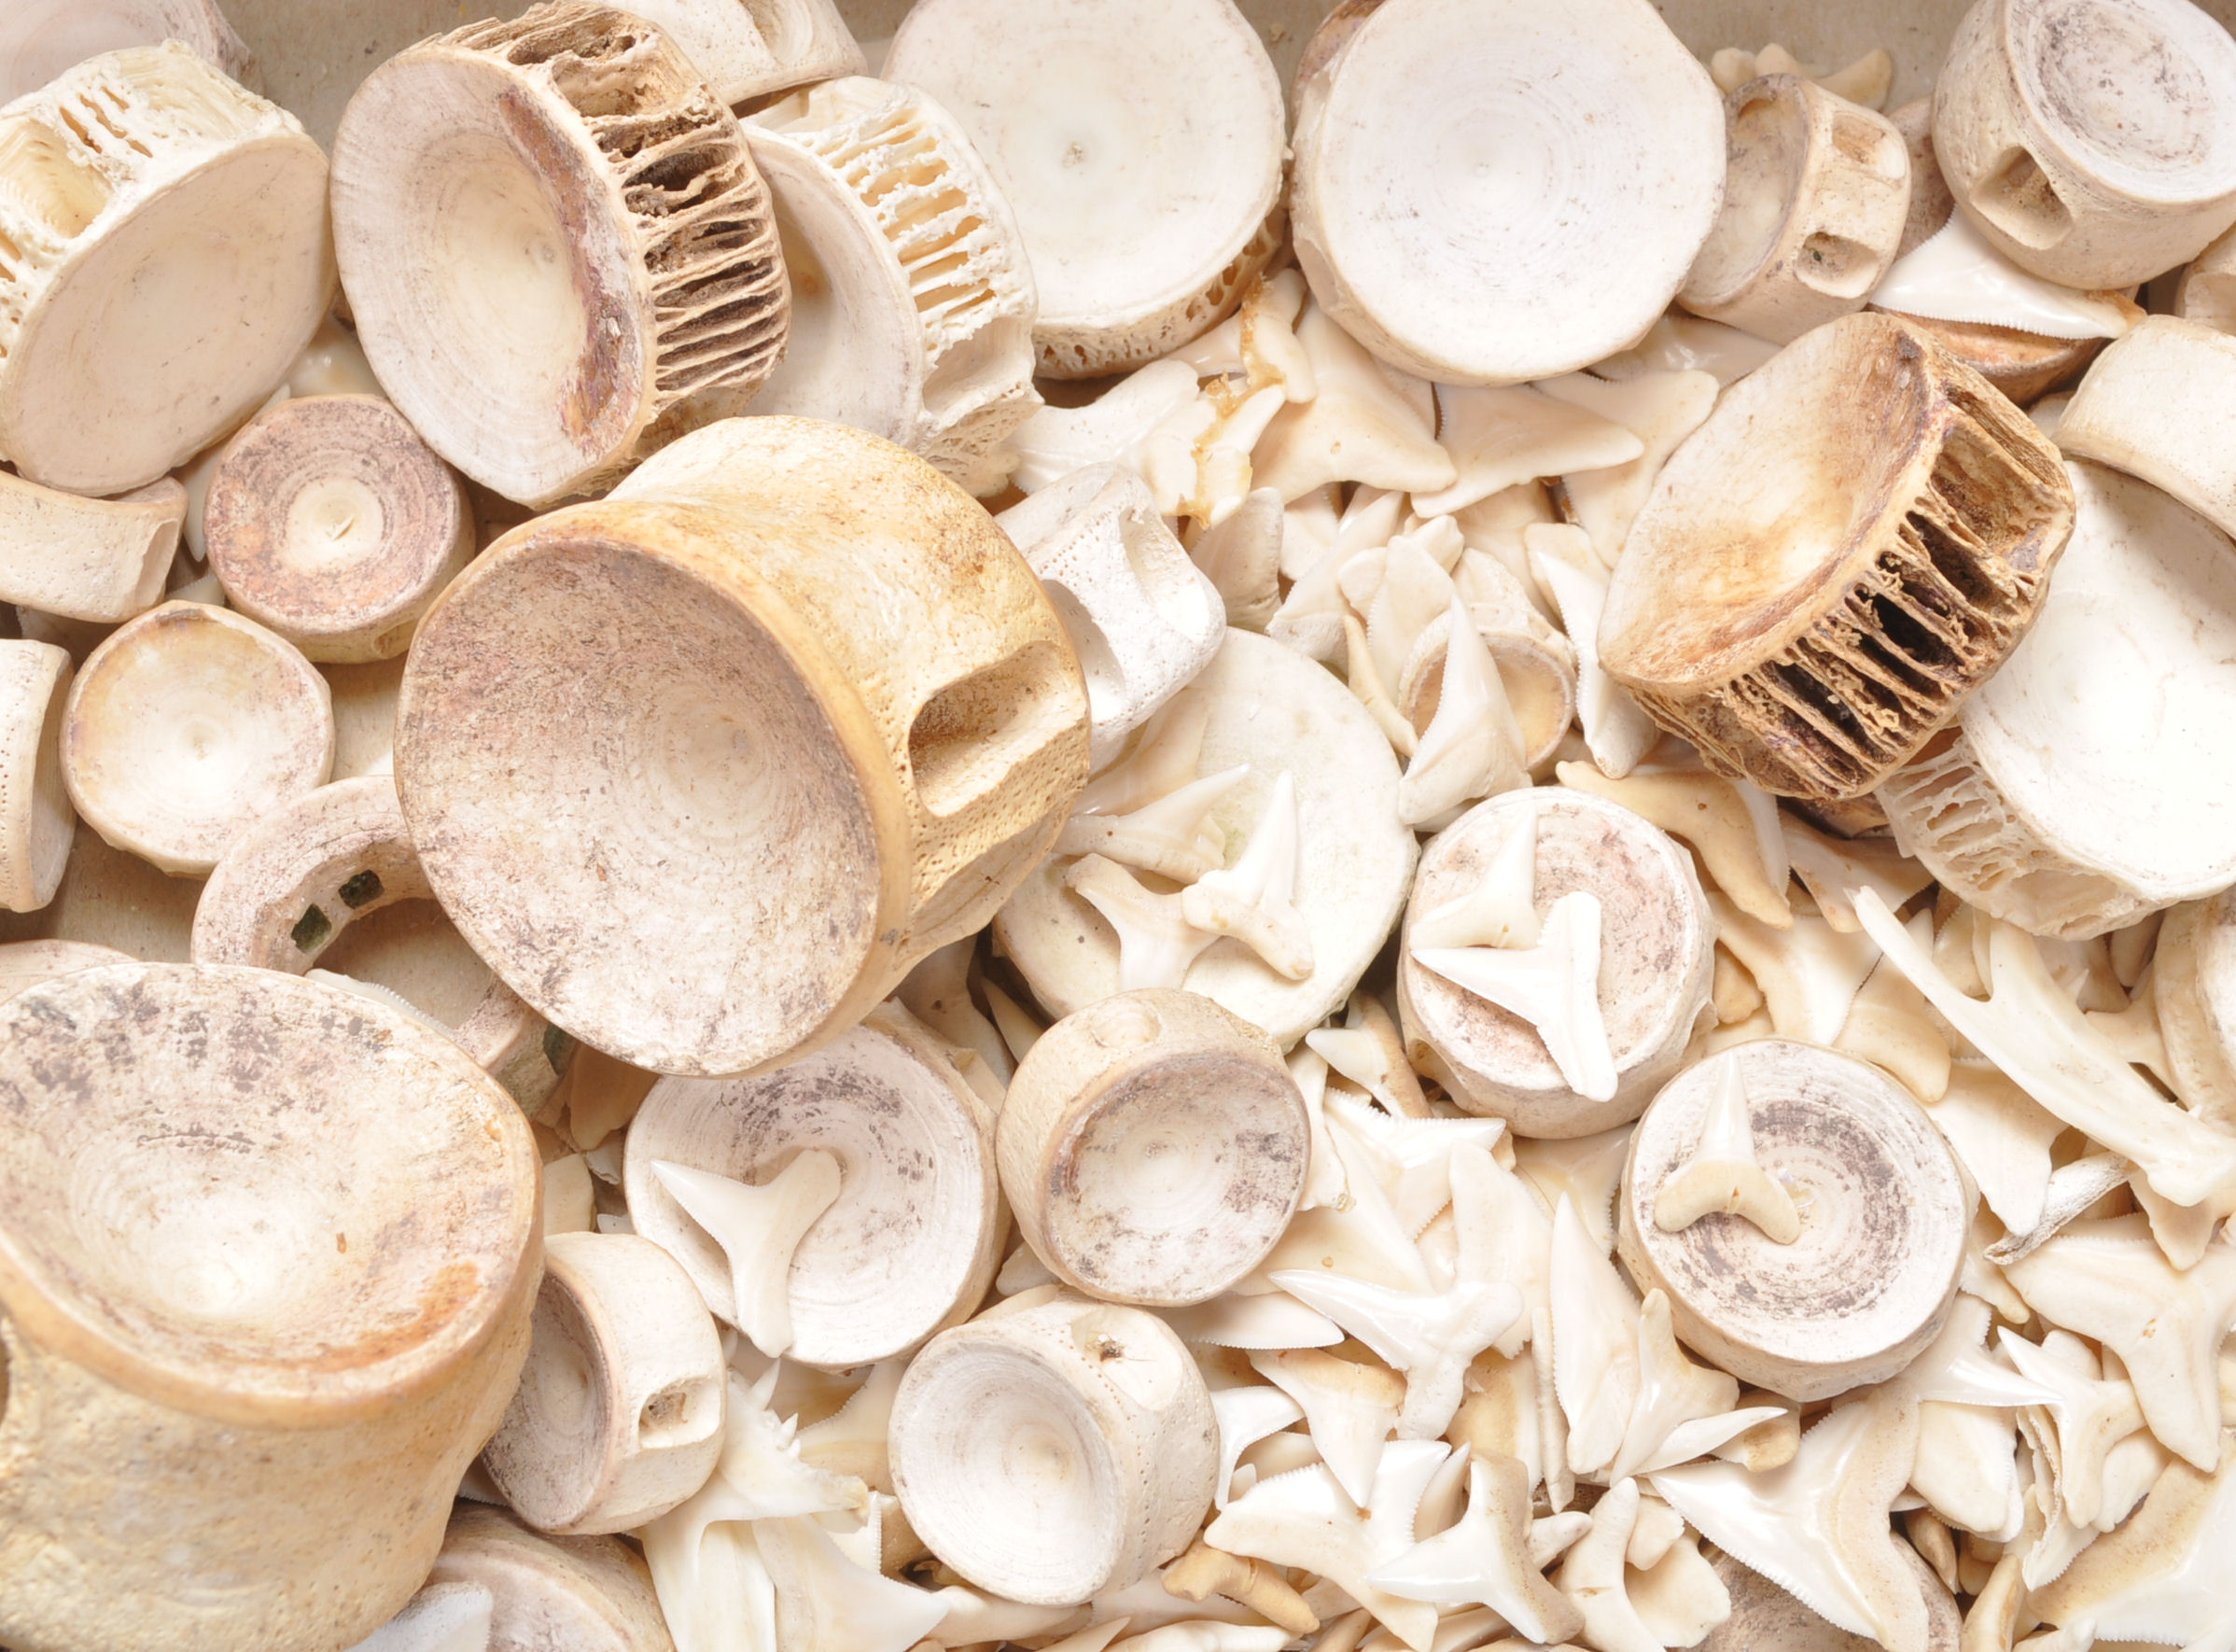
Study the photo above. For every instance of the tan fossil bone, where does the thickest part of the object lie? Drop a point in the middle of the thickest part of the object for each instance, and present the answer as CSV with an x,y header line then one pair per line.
x,y
349,1307
1143,619
104,560
441,1618
1142,159
556,247
41,40
1352,855
2033,1030
1358,427
1118,1473
819,774
1153,1147
912,1236
2094,144
1864,1286
1656,955
149,196
292,884
619,1413
1784,667
185,725
38,819
1815,197
2126,413
330,522
2144,596
2193,981
1722,1176
912,295
589,1594
1467,277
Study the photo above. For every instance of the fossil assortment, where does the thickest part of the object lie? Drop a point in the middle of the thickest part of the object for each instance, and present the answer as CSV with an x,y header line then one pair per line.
x,y
1000,840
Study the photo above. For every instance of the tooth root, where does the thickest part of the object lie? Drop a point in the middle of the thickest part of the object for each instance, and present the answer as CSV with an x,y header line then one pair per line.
x,y
1255,901
1723,1176
1167,837
1156,943
1499,910
1554,987
758,1229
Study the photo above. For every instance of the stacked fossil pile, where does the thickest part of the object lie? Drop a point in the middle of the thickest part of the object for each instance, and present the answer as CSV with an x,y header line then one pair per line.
x,y
1056,850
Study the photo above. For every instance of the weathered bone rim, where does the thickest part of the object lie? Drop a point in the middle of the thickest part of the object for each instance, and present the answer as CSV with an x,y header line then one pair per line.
x,y
407,1110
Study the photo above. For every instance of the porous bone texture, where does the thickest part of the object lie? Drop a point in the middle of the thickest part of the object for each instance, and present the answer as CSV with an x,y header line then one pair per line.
x,y
1857,538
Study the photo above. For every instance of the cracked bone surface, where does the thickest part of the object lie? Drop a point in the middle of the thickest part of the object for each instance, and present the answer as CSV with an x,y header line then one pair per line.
x,y
185,209
912,298
1858,536
1142,618
555,245
1816,192
1141,152
1153,1147
911,1238
1526,851
837,722
1464,274
2093,142
1121,1447
1861,1289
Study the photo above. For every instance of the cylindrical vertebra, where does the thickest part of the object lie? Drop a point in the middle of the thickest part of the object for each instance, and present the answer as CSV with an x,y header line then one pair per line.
x,y
918,323
1054,1452
165,259
1656,959
187,724
88,559
551,1594
330,521
1153,1147
288,887
2093,141
2160,403
619,1413
1816,192
37,821
258,1241
555,245
911,1243
1854,540
1884,1210
2066,800
705,768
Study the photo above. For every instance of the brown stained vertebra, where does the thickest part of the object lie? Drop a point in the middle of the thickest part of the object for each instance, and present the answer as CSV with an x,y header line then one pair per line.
x,y
1812,634
665,222
332,523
